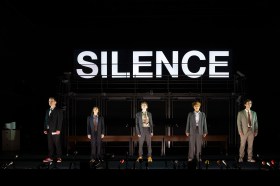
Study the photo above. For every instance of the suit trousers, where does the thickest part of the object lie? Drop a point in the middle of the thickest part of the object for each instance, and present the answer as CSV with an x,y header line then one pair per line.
x,y
248,137
195,145
95,146
146,135
54,143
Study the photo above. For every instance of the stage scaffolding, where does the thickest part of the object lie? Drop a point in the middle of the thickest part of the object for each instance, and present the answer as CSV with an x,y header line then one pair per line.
x,y
169,101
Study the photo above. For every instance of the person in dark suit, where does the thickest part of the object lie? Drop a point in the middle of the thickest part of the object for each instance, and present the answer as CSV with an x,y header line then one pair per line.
x,y
52,128
144,130
196,128
247,124
95,132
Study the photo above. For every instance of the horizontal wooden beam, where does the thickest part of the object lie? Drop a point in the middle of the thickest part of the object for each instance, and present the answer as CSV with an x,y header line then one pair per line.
x,y
117,138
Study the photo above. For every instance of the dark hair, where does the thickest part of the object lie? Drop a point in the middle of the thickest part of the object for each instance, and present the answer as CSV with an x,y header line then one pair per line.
x,y
144,102
247,100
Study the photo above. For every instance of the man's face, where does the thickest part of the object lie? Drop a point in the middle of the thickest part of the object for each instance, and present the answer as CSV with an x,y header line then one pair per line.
x,y
196,108
52,102
95,111
248,105
144,106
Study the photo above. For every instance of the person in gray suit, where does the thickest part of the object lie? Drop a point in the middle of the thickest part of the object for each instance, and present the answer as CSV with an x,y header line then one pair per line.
x,y
95,132
196,128
247,124
144,130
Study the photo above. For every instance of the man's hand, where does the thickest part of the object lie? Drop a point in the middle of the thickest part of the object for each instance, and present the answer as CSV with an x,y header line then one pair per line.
x,y
102,135
45,132
89,136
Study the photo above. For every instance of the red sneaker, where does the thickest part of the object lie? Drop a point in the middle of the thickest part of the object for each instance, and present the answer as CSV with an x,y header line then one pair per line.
x,y
47,160
59,160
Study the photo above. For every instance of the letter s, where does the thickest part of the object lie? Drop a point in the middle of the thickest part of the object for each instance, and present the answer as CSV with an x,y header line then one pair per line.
x,y
92,66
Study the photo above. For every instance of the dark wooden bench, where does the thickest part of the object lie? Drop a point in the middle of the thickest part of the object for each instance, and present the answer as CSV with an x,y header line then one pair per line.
x,y
75,139
72,140
209,138
158,138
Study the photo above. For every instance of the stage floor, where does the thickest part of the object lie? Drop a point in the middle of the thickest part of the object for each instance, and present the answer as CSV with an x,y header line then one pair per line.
x,y
121,169
116,162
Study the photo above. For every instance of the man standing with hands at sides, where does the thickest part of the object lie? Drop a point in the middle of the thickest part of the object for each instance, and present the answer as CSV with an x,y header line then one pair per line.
x,y
95,132
196,128
144,130
52,127
247,124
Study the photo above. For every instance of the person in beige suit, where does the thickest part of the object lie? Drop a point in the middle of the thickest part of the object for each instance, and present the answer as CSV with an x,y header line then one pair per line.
x,y
247,124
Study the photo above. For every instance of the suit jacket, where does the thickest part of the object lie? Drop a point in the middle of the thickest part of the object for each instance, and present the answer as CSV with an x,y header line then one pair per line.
x,y
100,125
191,123
242,121
139,123
54,120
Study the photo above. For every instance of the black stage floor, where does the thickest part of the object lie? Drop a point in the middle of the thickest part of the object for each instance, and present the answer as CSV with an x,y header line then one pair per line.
x,y
76,166
14,161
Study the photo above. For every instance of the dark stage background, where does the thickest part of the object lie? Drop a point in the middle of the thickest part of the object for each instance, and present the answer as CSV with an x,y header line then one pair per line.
x,y
38,40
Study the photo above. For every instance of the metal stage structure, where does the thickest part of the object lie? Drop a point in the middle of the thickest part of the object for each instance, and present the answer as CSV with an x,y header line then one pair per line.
x,y
169,101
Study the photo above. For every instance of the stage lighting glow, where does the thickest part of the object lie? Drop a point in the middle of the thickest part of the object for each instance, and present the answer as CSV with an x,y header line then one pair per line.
x,y
176,164
224,162
207,162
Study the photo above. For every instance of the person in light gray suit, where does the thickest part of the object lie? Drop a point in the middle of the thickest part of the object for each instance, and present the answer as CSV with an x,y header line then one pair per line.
x,y
247,124
196,128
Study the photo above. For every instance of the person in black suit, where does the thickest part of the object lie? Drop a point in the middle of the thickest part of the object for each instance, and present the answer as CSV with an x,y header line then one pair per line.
x,y
95,132
52,127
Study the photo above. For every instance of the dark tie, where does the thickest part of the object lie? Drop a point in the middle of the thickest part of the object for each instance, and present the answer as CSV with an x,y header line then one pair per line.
x,y
249,119
50,112
95,123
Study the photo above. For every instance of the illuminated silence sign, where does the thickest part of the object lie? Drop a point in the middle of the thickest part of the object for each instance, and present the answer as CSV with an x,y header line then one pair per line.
x,y
106,64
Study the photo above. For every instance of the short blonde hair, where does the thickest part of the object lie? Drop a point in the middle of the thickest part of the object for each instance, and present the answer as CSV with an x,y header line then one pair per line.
x,y
196,103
